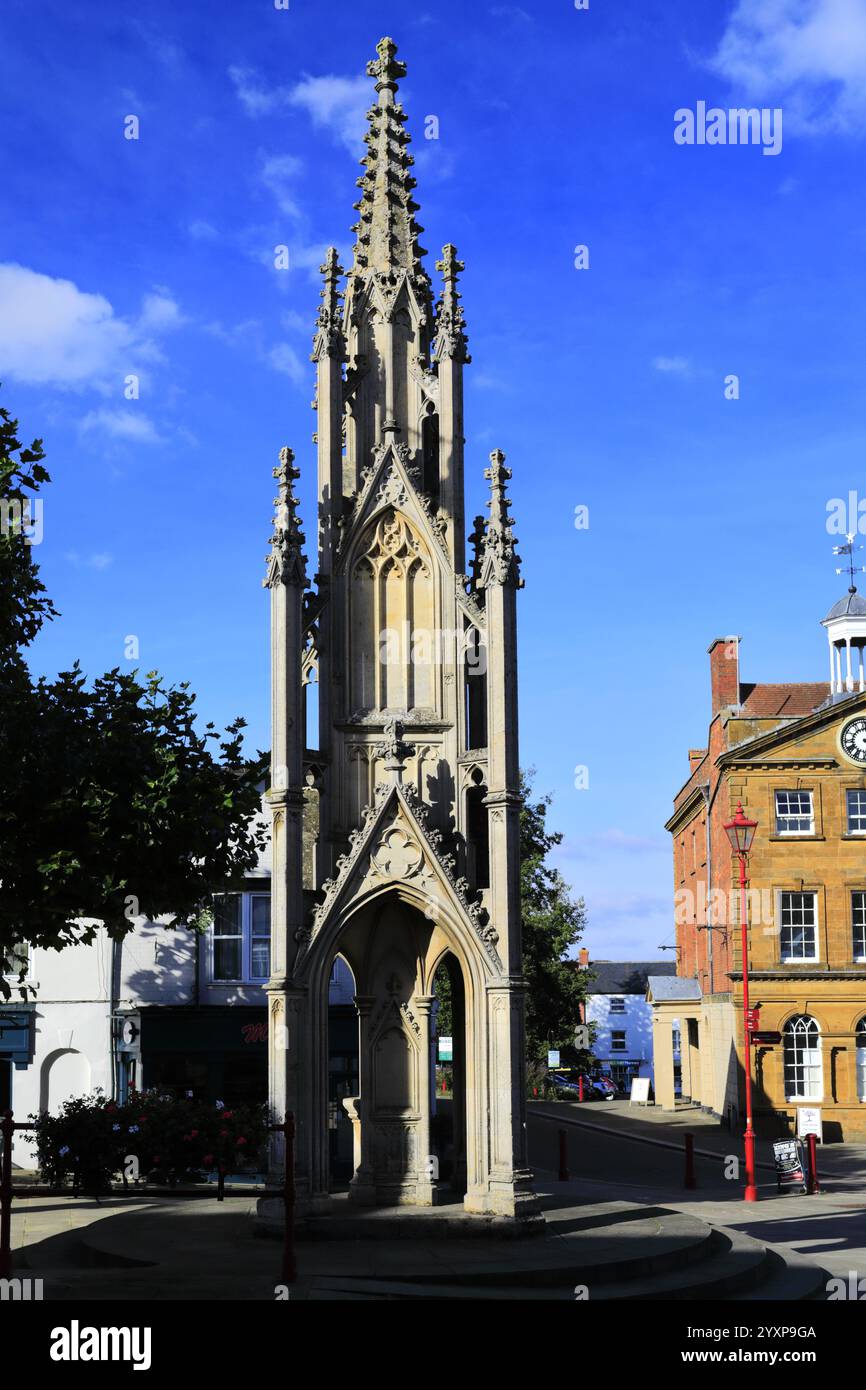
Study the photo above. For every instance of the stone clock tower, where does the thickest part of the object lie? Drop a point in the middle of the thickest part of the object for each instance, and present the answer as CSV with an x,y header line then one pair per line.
x,y
396,839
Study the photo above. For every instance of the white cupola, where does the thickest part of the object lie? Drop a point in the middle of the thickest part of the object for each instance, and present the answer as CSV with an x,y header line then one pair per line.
x,y
846,633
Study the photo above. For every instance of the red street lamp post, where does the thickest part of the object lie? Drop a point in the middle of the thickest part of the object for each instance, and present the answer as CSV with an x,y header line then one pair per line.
x,y
741,832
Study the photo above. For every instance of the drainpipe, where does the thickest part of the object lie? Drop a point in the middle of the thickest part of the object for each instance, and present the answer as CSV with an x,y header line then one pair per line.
x,y
708,802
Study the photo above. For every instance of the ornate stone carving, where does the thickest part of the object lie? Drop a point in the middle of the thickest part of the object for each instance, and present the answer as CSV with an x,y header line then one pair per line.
x,y
499,561
286,562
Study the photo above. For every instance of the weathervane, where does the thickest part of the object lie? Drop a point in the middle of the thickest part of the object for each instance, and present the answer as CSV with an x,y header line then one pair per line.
x,y
850,569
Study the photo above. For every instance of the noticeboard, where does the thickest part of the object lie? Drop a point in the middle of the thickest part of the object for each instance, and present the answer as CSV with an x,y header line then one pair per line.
x,y
788,1158
809,1122
553,1057
639,1090
446,1049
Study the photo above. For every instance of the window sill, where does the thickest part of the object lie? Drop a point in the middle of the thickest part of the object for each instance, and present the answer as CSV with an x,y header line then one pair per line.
x,y
796,835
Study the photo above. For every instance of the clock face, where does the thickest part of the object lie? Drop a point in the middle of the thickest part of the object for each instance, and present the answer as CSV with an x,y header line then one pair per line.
x,y
853,740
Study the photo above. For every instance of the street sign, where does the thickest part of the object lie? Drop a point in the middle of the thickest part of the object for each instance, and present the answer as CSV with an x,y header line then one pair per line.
x,y
766,1039
753,1019
809,1122
790,1169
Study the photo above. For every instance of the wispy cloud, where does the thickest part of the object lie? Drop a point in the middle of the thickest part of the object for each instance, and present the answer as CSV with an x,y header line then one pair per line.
x,y
677,366
338,104
132,425
811,59
98,560
279,174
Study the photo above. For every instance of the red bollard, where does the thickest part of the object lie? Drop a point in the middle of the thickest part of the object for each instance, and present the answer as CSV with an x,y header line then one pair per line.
x,y
563,1156
580,1087
813,1185
690,1179
535,1093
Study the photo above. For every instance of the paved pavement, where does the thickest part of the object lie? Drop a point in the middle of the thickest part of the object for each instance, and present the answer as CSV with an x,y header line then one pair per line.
x,y
164,1248
618,1153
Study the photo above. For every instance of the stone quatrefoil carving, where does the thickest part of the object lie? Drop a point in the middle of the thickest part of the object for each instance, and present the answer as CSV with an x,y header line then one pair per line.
x,y
397,855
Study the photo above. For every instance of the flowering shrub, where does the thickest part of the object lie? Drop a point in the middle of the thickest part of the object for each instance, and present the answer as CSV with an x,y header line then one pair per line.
x,y
171,1138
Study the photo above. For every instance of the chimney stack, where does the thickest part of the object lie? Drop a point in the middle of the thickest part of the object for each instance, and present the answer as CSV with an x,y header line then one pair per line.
x,y
724,673
583,958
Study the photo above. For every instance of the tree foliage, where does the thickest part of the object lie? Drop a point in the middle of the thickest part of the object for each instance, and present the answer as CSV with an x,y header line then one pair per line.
x,y
113,803
552,923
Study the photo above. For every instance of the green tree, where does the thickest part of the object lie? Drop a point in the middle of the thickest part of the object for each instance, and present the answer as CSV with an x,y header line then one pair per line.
x,y
113,803
552,923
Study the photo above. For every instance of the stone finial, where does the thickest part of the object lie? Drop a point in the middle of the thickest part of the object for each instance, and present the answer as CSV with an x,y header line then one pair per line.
x,y
328,340
449,332
500,563
286,561
386,230
393,750
387,67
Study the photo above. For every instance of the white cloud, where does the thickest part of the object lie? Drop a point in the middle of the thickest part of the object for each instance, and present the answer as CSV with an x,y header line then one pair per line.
x,y
338,104
159,311
279,174
808,58
256,99
283,358
121,424
679,366
51,332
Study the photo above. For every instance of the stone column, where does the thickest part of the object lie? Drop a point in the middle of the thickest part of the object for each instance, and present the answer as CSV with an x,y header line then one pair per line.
x,y
663,1061
362,1188
286,580
425,1186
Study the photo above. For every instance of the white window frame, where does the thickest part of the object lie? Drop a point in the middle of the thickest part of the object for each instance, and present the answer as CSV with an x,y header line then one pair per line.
x,y
785,957
811,1068
617,1004
858,927
799,815
859,815
615,1046
860,1054
245,935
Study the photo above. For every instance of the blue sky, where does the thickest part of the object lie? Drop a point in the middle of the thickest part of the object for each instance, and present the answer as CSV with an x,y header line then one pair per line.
x,y
605,387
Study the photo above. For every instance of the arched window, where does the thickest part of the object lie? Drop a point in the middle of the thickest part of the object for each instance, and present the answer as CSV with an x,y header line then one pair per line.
x,y
804,1071
860,1043
392,628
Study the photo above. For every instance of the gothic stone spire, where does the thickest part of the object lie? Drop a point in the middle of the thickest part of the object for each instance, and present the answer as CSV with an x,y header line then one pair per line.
x,y
449,334
286,562
500,563
387,233
328,340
